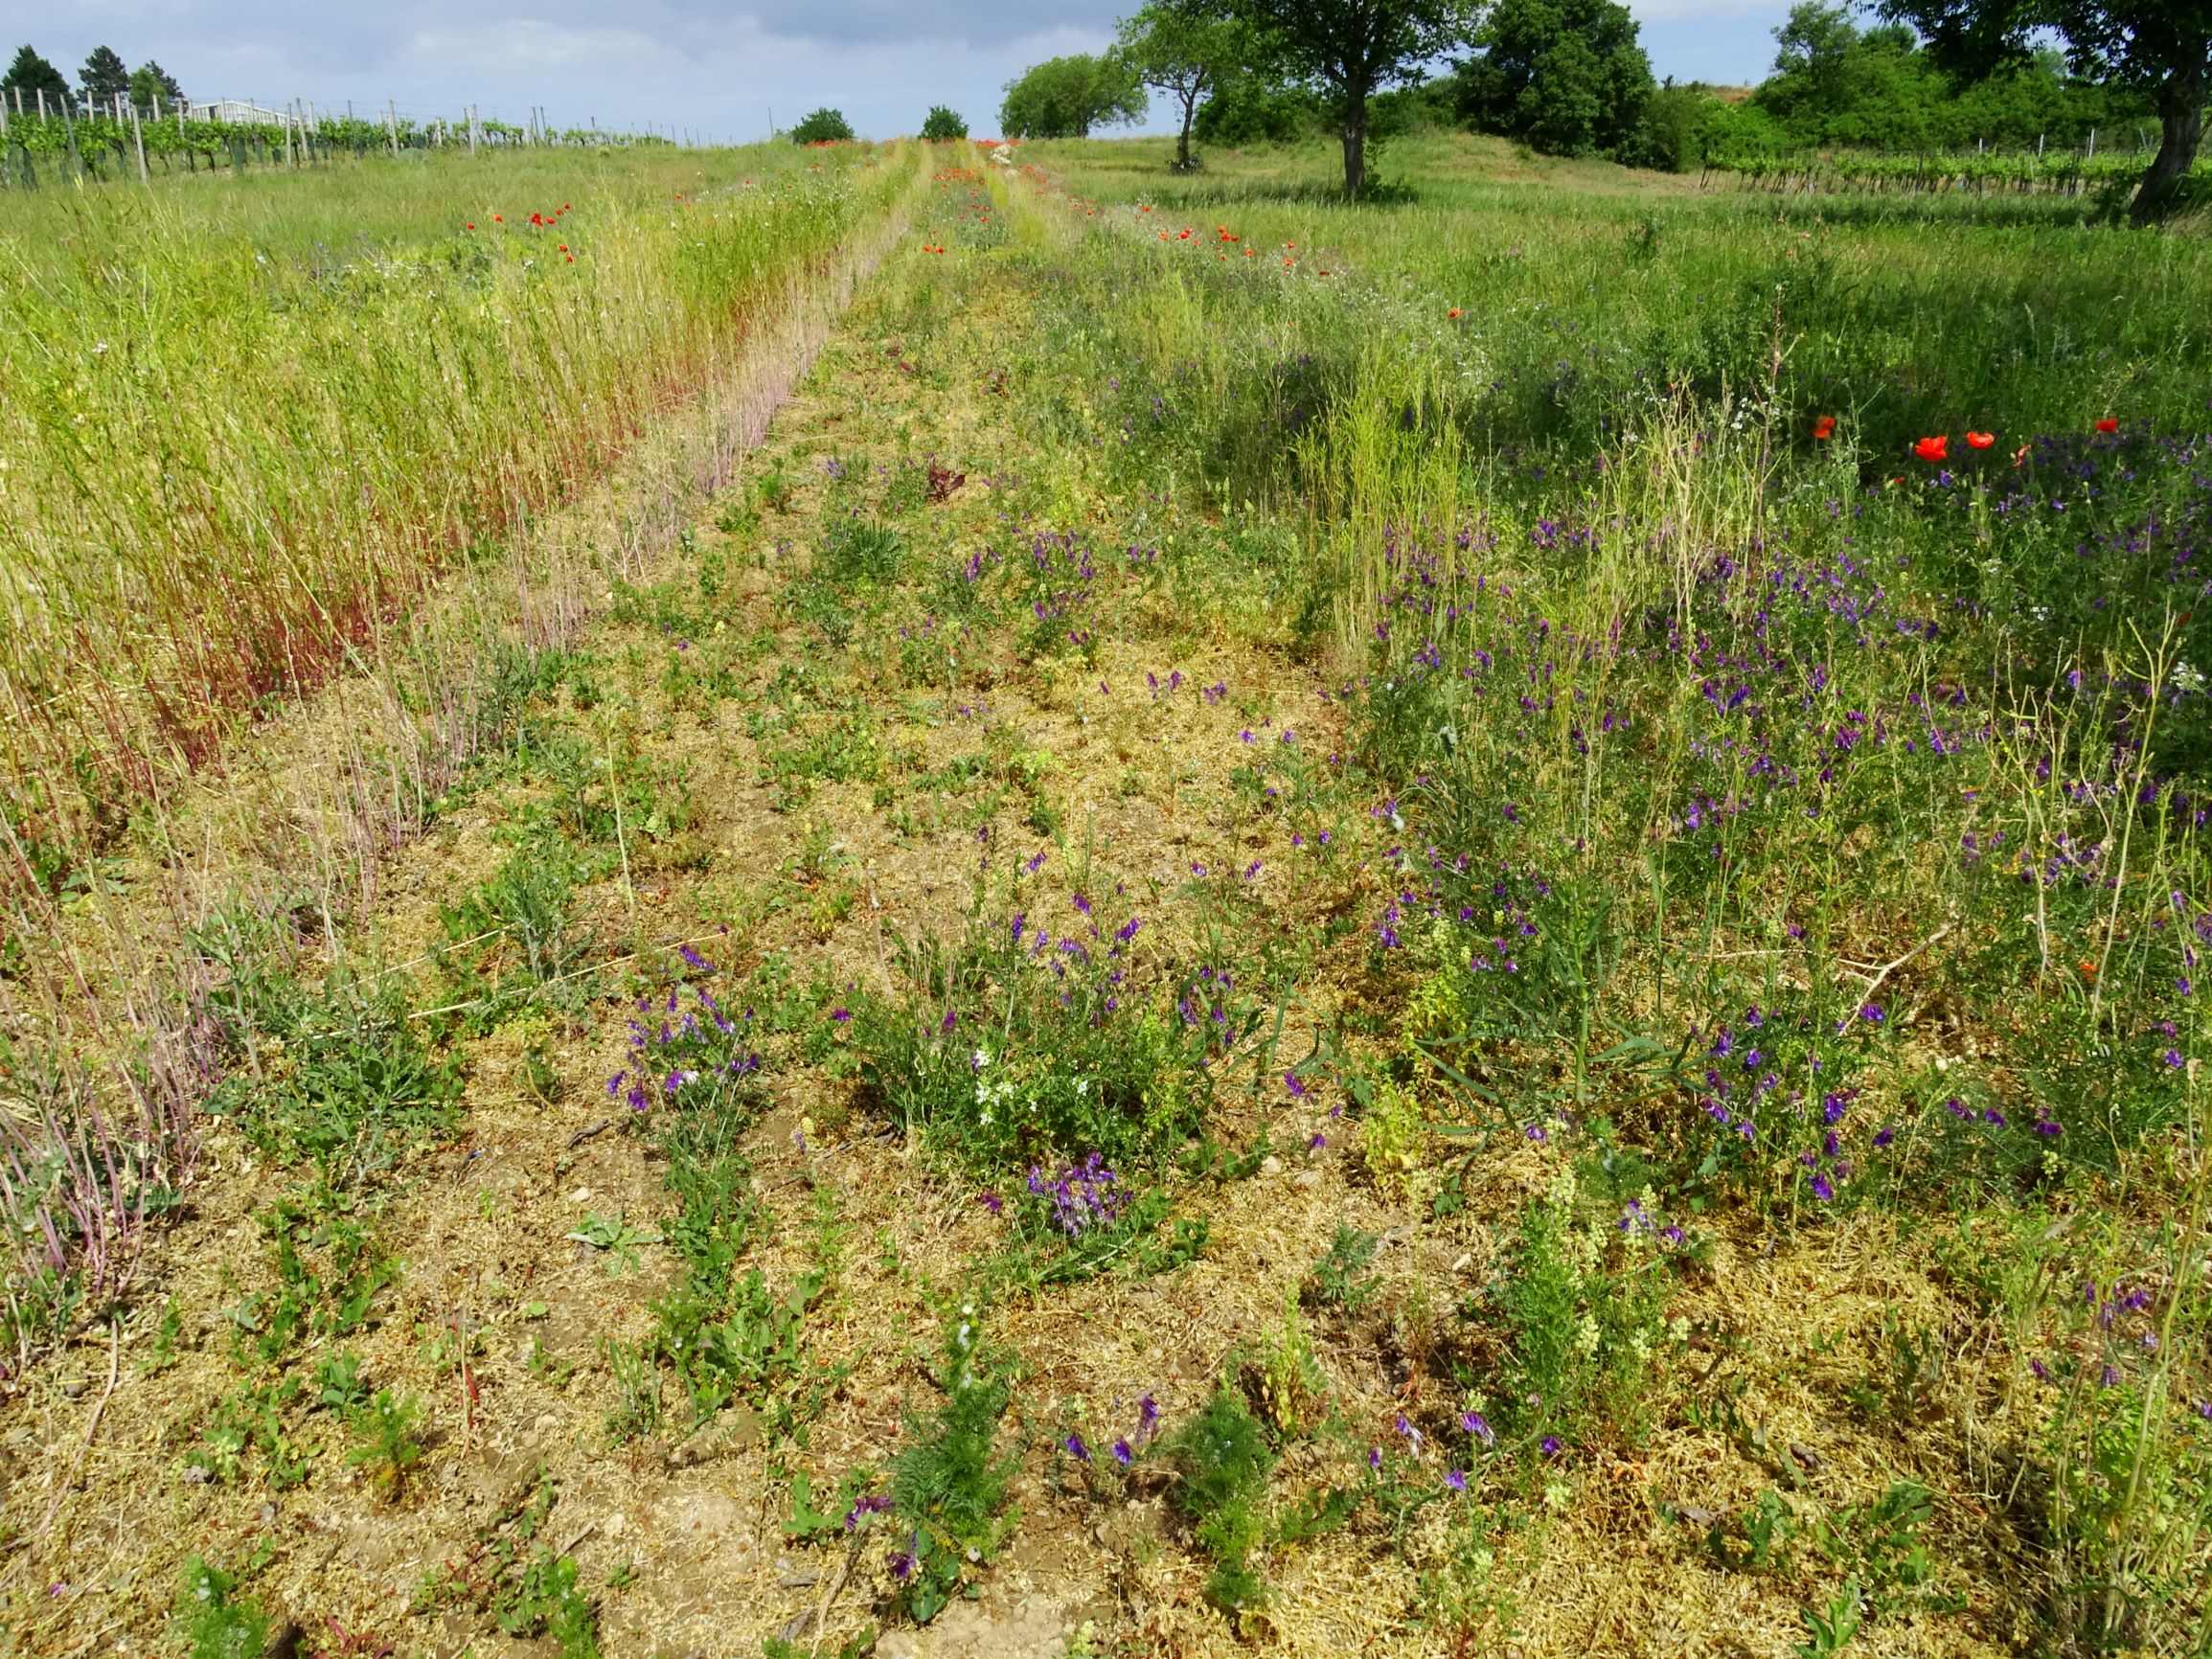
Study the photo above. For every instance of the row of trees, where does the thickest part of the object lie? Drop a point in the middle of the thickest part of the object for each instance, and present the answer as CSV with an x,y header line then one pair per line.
x,y
1569,76
103,78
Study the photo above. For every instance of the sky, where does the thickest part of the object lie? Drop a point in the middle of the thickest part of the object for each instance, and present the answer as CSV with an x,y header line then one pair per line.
x,y
716,70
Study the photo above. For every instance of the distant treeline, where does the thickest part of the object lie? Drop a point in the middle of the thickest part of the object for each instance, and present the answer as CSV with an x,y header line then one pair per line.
x,y
1836,85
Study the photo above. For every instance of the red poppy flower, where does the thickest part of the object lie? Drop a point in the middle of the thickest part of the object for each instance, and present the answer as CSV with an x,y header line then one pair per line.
x,y
1933,448
1184,238
471,227
1980,440
1824,427
2107,424
497,220
1452,314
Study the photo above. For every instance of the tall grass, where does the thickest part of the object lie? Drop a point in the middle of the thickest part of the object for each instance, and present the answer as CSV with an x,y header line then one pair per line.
x,y
245,420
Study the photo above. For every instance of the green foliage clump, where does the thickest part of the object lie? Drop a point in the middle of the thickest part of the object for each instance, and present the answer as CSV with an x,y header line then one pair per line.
x,y
1066,97
1224,1459
338,1077
824,125
1565,77
214,1620
948,1488
390,1440
942,126
1075,1049
1583,1304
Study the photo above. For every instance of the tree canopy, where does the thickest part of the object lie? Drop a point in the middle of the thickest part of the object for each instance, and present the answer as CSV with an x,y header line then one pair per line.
x,y
31,75
1356,48
2160,47
1066,97
103,77
1189,50
942,124
1568,76
150,80
824,125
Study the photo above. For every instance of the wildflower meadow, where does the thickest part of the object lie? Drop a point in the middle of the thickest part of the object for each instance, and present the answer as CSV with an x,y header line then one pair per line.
x,y
988,900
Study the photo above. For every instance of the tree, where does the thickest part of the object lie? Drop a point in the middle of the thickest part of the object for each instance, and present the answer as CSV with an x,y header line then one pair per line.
x,y
1837,83
1356,48
1566,77
942,124
1066,97
31,75
1190,49
824,125
148,81
2161,47
104,78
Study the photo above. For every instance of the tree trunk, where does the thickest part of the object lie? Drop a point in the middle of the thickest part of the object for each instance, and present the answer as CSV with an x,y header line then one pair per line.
x,y
1356,143
2180,128
1183,142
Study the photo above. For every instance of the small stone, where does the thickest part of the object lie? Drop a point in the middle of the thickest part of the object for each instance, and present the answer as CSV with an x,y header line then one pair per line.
x,y
1271,1164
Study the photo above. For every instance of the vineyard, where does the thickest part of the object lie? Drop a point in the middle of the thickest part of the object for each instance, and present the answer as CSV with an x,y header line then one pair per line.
x,y
2060,173
973,901
129,143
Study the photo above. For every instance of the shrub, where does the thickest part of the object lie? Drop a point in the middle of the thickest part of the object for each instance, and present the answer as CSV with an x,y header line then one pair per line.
x,y
824,125
941,124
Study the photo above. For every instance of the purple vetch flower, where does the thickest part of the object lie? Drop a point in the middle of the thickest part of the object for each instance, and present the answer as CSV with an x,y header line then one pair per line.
x,y
993,1202
1295,1085
1551,1445
1822,1188
1455,1479
2110,1377
840,1014
873,1505
1076,1449
695,959
1374,1459
1473,1421
1412,1435
2172,1056
901,1565
1884,1135
1318,1141
2042,1372
1124,1455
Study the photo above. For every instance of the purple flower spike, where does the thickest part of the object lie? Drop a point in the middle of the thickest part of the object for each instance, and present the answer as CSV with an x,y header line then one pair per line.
x,y
1374,1458
1123,1454
1551,1445
1455,1479
1076,1449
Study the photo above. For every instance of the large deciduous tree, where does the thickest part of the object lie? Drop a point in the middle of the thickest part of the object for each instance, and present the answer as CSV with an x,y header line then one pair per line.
x,y
1565,75
1066,97
2163,47
30,74
1357,48
1190,49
